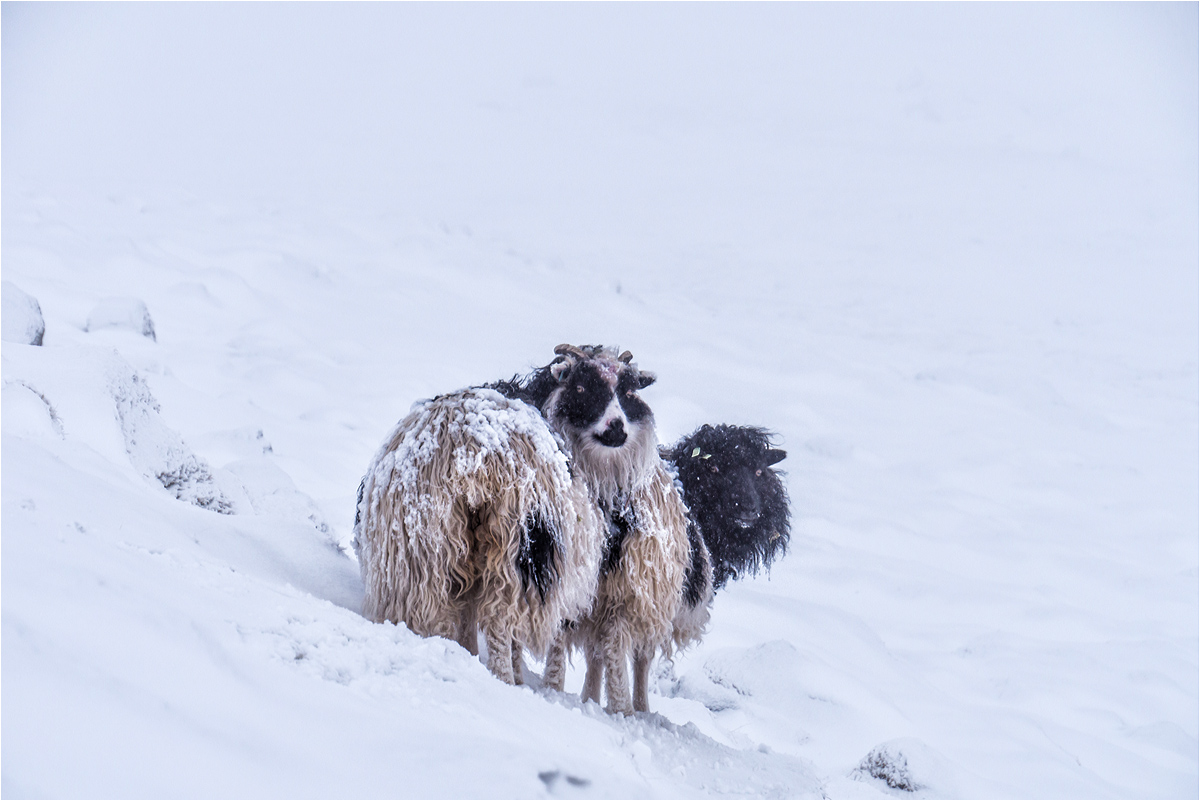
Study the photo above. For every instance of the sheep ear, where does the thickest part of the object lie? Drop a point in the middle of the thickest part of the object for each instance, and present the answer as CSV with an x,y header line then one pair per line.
x,y
774,456
559,370
645,379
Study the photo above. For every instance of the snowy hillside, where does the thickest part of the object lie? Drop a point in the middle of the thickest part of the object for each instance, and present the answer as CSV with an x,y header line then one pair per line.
x,y
947,252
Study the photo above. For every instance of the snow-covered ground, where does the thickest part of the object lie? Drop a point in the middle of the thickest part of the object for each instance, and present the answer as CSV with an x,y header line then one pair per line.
x,y
948,252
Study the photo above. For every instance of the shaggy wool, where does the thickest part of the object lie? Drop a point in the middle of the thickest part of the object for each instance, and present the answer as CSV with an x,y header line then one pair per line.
x,y
449,520
647,552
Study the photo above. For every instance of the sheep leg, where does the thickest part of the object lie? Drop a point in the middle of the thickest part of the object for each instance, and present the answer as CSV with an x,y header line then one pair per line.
x,y
555,675
518,663
591,680
468,629
500,657
641,679
616,684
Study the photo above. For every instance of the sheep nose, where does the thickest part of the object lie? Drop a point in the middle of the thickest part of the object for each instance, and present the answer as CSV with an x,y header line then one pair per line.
x,y
745,518
614,436
746,510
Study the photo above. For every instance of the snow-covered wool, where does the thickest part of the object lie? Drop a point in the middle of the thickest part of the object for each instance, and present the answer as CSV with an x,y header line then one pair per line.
x,y
470,515
589,396
639,595
734,497
695,604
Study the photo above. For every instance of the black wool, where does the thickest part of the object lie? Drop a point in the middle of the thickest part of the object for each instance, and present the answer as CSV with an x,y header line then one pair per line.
x,y
620,524
533,389
513,389
627,386
738,503
585,395
537,558
693,579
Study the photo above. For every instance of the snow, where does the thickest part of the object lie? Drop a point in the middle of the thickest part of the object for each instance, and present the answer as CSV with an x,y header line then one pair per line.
x,y
947,252
22,316
128,313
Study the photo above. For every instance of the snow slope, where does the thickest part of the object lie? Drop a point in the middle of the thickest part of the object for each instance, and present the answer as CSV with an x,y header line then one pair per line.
x,y
948,252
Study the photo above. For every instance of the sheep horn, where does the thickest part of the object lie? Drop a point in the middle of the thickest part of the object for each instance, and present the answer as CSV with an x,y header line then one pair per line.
x,y
564,349
625,358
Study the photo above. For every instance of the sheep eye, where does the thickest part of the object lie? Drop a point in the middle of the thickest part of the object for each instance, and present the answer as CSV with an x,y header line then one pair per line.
x,y
629,393
758,472
716,469
579,388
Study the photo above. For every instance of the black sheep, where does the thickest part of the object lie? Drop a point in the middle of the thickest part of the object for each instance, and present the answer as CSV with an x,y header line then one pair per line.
x,y
734,498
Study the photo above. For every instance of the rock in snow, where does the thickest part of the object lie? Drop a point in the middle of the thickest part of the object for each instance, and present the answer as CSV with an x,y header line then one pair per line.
x,y
888,764
908,768
127,313
22,316
157,451
95,395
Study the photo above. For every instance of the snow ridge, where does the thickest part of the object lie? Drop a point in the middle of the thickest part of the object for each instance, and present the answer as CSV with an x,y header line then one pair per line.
x,y
157,451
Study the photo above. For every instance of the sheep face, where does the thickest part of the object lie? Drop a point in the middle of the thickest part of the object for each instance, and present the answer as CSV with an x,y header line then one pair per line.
x,y
609,429
600,402
736,498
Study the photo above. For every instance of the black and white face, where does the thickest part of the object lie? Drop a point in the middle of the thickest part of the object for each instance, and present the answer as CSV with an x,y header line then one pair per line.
x,y
598,401
608,428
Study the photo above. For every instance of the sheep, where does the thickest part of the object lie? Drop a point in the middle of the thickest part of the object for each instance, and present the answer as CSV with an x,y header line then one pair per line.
x,y
589,397
737,508
738,521
468,517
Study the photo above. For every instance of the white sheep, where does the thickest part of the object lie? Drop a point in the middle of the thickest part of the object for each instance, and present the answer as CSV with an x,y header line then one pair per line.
x,y
589,396
469,515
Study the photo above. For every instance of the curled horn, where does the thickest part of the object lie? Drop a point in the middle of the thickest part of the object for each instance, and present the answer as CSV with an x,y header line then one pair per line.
x,y
564,349
625,358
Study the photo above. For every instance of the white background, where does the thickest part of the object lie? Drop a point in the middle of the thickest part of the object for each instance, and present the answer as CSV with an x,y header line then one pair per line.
x,y
947,252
